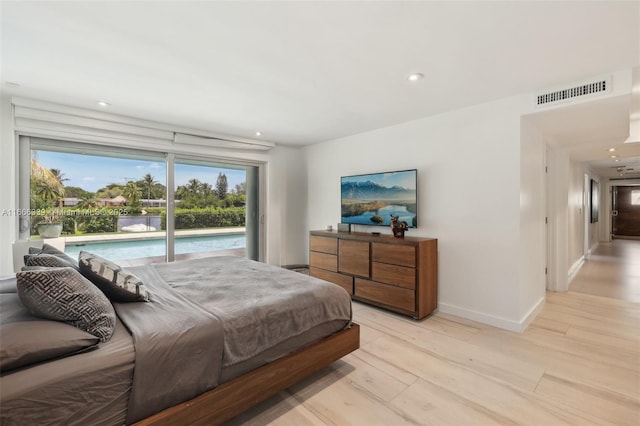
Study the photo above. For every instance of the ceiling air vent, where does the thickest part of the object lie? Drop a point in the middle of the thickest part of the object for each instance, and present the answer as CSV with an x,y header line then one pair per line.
x,y
577,90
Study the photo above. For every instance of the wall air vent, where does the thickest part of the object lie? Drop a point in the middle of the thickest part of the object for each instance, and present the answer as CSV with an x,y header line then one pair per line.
x,y
575,91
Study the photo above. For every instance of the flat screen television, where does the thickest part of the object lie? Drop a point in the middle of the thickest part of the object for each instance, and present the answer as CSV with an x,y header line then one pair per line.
x,y
372,199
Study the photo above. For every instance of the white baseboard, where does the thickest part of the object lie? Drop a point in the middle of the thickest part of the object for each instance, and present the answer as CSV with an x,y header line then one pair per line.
x,y
594,247
504,323
575,268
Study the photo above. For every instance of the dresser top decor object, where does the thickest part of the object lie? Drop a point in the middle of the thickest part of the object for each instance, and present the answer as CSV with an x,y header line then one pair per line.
x,y
398,227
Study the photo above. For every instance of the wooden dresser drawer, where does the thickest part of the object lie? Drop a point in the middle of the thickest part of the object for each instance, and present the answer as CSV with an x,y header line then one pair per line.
x,y
393,254
397,297
323,261
343,281
354,257
323,244
401,276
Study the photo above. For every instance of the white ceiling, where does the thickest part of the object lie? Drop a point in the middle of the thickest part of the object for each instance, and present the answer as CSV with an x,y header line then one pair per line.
x,y
305,72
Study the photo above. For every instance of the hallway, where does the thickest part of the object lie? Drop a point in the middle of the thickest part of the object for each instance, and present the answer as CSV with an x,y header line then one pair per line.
x,y
612,270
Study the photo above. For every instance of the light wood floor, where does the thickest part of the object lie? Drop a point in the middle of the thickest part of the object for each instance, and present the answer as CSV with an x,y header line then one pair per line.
x,y
578,363
612,270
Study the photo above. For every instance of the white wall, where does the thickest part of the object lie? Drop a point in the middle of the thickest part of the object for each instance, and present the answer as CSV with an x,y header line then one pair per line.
x,y
532,226
285,204
579,213
576,209
8,187
469,173
597,232
287,207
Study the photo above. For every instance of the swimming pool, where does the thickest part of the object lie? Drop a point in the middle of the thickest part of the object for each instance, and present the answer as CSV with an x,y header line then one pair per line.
x,y
134,249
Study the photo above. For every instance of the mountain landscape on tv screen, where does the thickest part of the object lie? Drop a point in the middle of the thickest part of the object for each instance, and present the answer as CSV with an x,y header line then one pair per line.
x,y
370,203
370,190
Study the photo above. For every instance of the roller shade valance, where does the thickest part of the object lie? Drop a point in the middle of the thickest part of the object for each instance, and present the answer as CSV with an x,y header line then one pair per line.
x,y
181,138
39,118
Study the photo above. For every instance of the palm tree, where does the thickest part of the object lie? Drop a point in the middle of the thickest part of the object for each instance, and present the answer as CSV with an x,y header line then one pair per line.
x,y
57,173
149,181
49,192
193,186
206,188
88,202
46,183
131,192
45,175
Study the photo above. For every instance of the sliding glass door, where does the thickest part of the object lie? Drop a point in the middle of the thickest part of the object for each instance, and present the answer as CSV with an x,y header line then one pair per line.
x,y
108,202
210,209
137,207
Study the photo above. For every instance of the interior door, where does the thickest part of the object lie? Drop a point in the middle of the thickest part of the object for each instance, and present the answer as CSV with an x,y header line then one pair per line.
x,y
625,220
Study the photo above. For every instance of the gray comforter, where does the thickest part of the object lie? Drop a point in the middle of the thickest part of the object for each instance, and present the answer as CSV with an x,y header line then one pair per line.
x,y
178,347
213,313
260,305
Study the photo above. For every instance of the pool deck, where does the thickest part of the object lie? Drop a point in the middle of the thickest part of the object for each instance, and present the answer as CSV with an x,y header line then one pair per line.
x,y
151,235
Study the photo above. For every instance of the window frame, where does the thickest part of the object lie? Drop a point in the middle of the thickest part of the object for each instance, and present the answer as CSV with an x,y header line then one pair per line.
x,y
27,143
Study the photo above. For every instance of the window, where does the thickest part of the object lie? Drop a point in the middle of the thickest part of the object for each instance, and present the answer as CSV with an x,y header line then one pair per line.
x,y
136,207
210,208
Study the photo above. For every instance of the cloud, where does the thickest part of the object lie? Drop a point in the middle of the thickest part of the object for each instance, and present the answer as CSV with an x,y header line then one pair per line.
x,y
153,166
88,179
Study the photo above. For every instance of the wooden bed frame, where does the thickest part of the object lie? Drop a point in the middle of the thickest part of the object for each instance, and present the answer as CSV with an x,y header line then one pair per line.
x,y
236,396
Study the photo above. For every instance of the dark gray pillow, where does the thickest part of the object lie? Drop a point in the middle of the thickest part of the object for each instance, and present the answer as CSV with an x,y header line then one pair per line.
x,y
118,284
49,249
63,294
28,342
48,260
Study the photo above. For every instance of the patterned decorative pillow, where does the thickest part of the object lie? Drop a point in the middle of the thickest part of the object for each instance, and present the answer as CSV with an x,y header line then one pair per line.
x,y
118,284
51,250
48,260
35,268
63,294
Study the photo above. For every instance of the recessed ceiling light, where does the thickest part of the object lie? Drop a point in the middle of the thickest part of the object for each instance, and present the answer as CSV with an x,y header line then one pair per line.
x,y
617,161
415,76
614,156
611,149
103,104
258,134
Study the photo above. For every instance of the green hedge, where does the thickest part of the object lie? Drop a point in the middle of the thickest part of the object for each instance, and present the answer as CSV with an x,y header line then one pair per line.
x,y
185,219
208,218
73,225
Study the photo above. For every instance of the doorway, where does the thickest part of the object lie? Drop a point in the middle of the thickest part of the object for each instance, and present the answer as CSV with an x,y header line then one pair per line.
x,y
625,212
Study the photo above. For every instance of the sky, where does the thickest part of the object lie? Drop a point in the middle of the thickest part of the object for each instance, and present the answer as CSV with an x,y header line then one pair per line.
x,y
92,172
405,179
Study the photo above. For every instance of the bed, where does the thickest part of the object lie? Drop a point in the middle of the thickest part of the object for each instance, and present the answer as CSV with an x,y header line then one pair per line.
x,y
215,336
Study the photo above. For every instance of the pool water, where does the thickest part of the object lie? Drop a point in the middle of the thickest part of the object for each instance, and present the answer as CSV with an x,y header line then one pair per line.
x,y
134,249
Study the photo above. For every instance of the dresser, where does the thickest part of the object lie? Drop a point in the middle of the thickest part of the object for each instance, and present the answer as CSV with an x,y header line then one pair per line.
x,y
396,274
